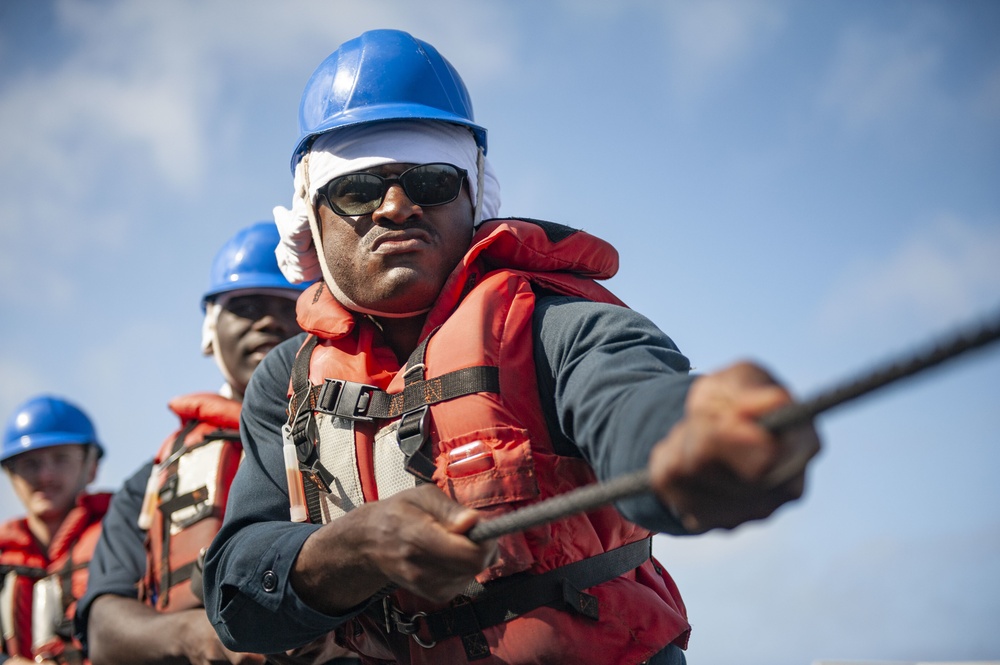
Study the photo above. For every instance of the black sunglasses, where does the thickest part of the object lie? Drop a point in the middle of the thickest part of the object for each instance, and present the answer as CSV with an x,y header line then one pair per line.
x,y
425,184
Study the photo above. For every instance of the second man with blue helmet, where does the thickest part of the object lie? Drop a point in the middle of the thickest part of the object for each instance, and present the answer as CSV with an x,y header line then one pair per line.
x,y
144,604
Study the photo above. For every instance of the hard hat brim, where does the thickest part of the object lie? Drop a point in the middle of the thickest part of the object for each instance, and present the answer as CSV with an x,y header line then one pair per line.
x,y
384,113
31,442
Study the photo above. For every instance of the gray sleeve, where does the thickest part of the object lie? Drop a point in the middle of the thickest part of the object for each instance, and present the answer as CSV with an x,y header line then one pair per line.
x,y
119,559
248,592
612,384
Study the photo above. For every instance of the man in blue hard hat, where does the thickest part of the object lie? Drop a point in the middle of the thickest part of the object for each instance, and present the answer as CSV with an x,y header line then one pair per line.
x,y
457,367
50,453
144,602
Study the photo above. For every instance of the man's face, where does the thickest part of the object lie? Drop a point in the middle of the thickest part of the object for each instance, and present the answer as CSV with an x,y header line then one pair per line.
x,y
397,258
250,326
48,480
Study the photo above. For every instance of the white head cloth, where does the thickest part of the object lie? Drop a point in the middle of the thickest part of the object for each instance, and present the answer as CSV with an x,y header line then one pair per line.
x,y
362,147
210,333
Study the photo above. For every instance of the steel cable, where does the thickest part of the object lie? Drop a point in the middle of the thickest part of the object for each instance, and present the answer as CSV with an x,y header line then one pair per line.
x,y
595,496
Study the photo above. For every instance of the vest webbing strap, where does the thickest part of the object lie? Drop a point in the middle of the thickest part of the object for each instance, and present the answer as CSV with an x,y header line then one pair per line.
x,y
507,598
358,401
182,574
66,581
23,571
300,380
172,577
167,494
372,404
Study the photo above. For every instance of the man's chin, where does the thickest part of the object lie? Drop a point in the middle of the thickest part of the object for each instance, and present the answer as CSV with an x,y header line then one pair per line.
x,y
415,297
48,509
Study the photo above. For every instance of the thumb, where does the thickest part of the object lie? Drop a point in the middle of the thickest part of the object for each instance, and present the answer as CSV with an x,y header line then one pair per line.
x,y
453,516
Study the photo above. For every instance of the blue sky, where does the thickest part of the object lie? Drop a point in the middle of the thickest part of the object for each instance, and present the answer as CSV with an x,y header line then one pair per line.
x,y
815,186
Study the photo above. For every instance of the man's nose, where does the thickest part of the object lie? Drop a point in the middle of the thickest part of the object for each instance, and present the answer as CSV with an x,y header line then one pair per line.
x,y
276,321
46,470
396,207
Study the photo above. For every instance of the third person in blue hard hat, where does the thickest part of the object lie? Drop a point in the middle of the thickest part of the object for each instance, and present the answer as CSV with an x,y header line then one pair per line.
x,y
457,367
50,453
144,602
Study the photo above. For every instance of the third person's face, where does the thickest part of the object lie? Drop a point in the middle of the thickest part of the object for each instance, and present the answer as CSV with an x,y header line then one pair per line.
x,y
48,480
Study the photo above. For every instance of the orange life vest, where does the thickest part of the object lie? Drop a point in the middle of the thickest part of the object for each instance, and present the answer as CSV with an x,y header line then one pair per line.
x,y
39,588
186,497
464,413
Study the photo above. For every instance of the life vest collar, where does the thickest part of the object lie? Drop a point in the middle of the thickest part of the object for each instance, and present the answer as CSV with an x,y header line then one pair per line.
x,y
515,244
210,408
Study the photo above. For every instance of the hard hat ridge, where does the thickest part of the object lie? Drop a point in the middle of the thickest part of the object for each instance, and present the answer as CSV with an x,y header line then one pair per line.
x,y
45,421
247,261
378,76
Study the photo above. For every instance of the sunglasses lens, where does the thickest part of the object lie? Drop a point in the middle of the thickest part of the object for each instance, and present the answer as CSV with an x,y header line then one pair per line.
x,y
426,185
355,194
432,184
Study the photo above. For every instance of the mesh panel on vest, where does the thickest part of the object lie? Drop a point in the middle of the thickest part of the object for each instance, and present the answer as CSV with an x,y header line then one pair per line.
x,y
338,455
390,475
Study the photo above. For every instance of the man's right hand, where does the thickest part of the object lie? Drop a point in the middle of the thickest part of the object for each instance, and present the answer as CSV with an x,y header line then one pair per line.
x,y
125,631
718,468
413,539
201,644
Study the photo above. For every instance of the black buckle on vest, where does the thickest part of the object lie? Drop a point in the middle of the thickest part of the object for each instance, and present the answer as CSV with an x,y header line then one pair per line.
x,y
345,399
412,435
318,474
509,597
406,625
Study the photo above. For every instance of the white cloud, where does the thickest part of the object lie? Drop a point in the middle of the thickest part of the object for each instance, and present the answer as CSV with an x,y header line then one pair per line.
x,y
147,78
986,101
943,272
18,382
704,40
708,40
147,94
877,74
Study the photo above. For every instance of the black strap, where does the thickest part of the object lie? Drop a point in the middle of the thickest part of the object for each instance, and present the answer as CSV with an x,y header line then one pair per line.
x,y
301,426
300,386
167,508
66,581
507,598
182,574
22,571
359,401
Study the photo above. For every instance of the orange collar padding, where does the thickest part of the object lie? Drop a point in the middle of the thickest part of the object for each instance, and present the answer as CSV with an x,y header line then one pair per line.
x,y
210,408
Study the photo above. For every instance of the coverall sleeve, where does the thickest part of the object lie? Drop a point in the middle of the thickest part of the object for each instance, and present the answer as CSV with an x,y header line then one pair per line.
x,y
248,592
612,385
119,560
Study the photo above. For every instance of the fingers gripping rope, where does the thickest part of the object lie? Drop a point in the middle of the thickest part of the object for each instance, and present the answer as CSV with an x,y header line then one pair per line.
x,y
595,496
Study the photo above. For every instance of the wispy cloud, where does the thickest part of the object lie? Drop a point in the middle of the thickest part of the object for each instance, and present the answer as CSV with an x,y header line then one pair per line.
x,y
19,380
911,78
944,271
876,73
709,40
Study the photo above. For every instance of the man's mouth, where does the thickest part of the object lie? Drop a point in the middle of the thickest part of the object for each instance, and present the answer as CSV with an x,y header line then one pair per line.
x,y
400,242
263,348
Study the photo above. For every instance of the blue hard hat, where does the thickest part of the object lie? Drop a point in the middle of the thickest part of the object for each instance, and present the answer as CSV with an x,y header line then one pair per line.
x,y
247,261
46,421
382,75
